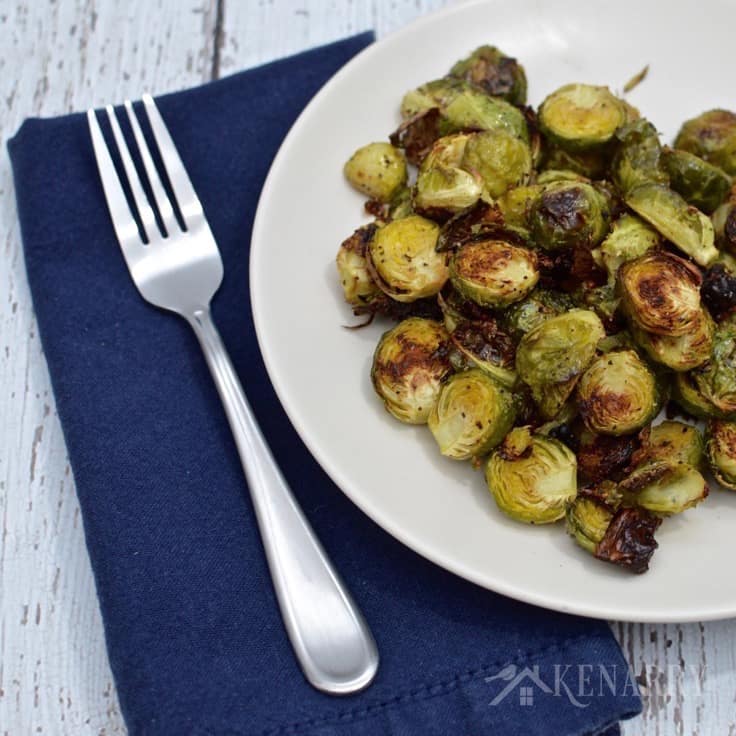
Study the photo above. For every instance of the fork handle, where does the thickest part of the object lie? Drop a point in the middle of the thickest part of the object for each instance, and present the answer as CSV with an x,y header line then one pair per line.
x,y
330,637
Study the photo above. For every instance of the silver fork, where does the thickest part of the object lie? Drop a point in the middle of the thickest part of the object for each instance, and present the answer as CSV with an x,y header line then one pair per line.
x,y
180,270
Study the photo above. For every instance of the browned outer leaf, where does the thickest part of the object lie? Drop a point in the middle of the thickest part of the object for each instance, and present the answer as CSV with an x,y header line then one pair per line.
x,y
629,540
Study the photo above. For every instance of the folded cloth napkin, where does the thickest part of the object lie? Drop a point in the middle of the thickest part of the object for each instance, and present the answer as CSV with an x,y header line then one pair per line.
x,y
193,632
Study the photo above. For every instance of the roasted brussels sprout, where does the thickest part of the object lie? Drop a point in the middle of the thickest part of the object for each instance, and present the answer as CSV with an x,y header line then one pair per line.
x,y
581,116
403,260
409,366
664,487
629,540
604,458
701,184
485,346
638,157
497,74
516,204
493,273
712,136
687,394
541,304
688,228
473,414
378,170
724,225
660,292
532,477
673,442
443,191
569,213
681,352
551,358
357,285
416,135
587,519
629,238
716,380
721,450
617,394
500,159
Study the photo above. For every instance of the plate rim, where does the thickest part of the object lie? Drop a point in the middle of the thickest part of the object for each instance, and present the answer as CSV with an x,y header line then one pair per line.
x,y
501,586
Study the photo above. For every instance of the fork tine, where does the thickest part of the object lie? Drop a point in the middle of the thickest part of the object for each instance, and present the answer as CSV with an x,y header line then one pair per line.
x,y
159,193
123,222
141,200
189,204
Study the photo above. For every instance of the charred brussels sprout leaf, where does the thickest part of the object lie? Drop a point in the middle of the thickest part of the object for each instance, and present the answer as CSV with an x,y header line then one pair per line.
x,y
532,477
473,414
581,116
482,220
523,316
701,184
500,159
629,238
551,358
409,367
493,273
378,170
484,345
629,540
617,394
638,157
417,134
721,450
661,293
403,259
664,487
687,227
497,74
604,458
587,520
712,136
568,214
357,285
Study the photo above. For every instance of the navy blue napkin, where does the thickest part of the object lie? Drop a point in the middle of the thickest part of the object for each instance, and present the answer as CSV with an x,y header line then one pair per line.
x,y
193,632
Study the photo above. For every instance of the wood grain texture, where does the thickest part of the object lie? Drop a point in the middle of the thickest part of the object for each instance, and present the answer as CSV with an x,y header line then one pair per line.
x,y
55,57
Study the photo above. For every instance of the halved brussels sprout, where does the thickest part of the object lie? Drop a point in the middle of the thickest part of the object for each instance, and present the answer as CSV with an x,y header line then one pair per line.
x,y
712,136
673,442
664,487
629,238
493,273
541,304
569,213
587,519
617,394
724,225
660,292
497,74
500,159
532,477
721,449
403,260
409,367
473,414
357,285
487,347
590,164
581,116
716,380
444,190
687,394
378,170
638,157
551,357
516,204
688,228
681,352
701,184
629,540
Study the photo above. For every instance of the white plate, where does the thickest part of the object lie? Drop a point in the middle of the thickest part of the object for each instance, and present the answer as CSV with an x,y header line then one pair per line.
x,y
394,472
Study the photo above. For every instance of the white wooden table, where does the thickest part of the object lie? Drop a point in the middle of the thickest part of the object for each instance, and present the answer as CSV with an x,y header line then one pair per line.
x,y
67,55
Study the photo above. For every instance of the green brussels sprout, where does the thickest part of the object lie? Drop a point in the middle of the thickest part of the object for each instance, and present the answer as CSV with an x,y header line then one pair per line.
x,y
551,357
716,380
629,540
442,190
638,157
673,442
435,94
403,261
681,352
377,170
523,316
352,267
587,519
617,394
629,238
688,228
493,273
447,151
724,225
500,159
688,395
581,116
516,204
409,367
660,293
473,414
485,346
701,184
532,477
569,214
721,450
590,164
712,136
497,74
664,487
